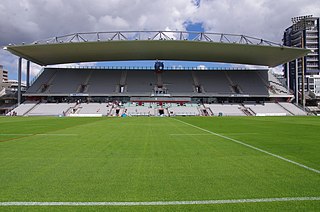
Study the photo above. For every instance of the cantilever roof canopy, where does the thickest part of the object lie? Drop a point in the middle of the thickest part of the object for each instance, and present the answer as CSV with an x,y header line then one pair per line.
x,y
151,49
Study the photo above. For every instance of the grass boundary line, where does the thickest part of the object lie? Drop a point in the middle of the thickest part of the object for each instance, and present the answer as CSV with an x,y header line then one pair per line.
x,y
181,134
159,203
41,134
252,147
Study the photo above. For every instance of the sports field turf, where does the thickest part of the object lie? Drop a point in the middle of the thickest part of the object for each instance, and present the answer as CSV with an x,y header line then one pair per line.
x,y
145,159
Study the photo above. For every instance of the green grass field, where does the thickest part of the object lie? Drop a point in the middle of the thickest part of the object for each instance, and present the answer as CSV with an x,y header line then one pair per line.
x,y
144,159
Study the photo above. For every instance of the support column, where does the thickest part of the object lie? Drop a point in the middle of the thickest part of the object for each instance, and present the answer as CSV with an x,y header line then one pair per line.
x,y
19,79
297,83
28,74
288,77
303,98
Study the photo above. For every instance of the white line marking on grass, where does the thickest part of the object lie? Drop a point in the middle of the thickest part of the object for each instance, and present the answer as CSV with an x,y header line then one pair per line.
x,y
2,134
240,133
195,202
188,134
57,134
252,147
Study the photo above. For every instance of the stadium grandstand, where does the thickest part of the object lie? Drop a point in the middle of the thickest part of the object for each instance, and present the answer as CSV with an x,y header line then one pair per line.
x,y
159,90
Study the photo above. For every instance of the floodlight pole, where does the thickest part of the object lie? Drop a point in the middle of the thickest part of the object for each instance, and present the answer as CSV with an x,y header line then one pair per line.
x,y
303,98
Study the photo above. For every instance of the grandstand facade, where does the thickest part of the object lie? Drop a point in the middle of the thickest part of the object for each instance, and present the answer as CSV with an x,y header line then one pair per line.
x,y
144,91
114,91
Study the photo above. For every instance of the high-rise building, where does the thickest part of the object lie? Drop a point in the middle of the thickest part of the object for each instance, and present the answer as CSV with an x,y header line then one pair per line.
x,y
308,37
8,85
3,75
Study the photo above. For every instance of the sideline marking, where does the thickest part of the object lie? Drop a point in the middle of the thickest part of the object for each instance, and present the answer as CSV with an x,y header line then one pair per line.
x,y
188,134
3,134
240,133
252,147
195,202
57,134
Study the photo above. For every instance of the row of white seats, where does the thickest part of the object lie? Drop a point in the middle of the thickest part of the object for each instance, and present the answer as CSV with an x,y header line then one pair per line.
x,y
94,108
50,109
22,109
54,109
184,110
225,109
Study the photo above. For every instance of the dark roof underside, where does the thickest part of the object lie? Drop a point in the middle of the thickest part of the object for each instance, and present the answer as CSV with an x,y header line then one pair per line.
x,y
50,54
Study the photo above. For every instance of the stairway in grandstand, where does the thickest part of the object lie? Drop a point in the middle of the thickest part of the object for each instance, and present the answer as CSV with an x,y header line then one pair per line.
x,y
84,86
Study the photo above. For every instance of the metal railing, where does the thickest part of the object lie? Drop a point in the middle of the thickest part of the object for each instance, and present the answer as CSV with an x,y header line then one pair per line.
x,y
168,68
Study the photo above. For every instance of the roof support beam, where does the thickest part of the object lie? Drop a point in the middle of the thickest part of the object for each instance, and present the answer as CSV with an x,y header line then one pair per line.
x,y
28,74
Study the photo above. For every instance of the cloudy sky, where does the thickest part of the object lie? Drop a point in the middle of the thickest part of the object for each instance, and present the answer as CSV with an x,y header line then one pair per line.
x,y
30,20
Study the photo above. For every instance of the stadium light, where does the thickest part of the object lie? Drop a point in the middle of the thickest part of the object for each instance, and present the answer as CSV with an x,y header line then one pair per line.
x,y
301,23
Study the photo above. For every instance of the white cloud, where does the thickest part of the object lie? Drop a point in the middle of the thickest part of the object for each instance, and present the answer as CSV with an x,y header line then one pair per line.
x,y
70,65
30,20
202,67
265,19
277,70
248,66
114,22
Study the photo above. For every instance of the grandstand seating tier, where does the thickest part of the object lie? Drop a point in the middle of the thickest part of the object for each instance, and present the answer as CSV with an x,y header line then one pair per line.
x,y
293,109
94,108
144,84
50,109
23,108
267,108
97,82
153,109
225,109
